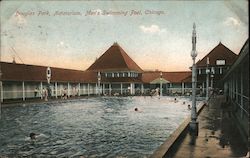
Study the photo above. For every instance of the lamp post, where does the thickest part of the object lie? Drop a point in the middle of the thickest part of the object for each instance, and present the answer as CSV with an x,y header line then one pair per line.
x,y
99,82
194,124
207,80
161,84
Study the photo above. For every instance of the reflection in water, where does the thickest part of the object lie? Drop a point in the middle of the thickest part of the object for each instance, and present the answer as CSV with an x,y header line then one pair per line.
x,y
94,127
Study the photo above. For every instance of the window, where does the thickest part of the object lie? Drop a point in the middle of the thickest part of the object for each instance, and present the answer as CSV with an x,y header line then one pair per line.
x,y
220,62
125,74
121,74
109,74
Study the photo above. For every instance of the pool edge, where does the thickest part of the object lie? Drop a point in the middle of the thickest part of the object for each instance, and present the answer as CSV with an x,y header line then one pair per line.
x,y
166,147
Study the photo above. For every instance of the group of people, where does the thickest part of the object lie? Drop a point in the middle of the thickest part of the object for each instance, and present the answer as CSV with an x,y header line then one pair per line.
x,y
45,93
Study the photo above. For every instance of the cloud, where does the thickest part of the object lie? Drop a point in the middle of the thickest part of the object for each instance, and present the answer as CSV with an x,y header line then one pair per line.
x,y
153,29
239,9
231,21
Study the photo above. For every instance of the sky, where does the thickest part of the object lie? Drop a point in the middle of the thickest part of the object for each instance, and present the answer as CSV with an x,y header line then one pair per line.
x,y
155,34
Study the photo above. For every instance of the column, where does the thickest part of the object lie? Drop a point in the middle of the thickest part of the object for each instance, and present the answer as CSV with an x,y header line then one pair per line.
x,y
41,90
110,89
207,85
96,89
1,88
56,89
166,88
212,83
161,87
182,88
23,90
132,88
121,89
142,89
88,89
203,87
79,89
103,88
68,90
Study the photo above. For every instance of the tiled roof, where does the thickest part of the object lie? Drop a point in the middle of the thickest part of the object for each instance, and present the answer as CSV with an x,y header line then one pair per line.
x,y
220,52
114,59
22,72
173,77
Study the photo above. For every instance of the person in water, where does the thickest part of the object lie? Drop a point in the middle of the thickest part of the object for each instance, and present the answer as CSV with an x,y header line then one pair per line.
x,y
175,100
136,109
33,136
189,108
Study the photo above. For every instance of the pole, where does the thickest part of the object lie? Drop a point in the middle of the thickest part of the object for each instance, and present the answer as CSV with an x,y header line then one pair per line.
x,y
194,124
161,84
193,112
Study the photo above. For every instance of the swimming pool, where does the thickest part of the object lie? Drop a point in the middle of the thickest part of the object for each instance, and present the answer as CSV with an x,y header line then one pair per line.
x,y
91,127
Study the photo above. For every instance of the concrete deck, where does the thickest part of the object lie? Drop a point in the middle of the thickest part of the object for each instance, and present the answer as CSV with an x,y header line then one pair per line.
x,y
218,135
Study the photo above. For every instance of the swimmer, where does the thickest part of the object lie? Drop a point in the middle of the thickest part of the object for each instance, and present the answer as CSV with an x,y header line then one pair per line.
x,y
183,103
136,109
175,100
33,136
189,108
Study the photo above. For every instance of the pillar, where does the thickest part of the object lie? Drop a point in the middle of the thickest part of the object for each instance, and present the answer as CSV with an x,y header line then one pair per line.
x,y
203,87
110,89
161,87
132,88
182,88
167,88
56,89
103,88
207,86
79,89
88,89
142,89
41,90
1,88
121,89
23,90
68,90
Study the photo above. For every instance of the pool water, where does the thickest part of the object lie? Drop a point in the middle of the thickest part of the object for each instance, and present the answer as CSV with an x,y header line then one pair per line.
x,y
91,127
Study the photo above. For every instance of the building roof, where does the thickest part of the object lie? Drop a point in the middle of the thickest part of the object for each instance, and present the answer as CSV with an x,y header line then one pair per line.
x,y
22,72
172,77
114,59
35,73
220,52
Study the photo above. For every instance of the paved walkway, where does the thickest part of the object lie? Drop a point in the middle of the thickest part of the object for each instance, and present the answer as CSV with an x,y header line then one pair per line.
x,y
218,135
